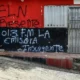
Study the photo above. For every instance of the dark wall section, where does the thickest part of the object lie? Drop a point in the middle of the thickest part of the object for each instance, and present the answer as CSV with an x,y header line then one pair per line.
x,y
34,40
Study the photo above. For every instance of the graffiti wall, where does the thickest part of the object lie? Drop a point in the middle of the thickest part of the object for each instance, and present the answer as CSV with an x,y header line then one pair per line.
x,y
22,27
20,12
28,14
33,40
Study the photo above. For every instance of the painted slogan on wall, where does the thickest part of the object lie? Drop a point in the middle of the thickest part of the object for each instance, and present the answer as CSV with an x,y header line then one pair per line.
x,y
18,17
33,40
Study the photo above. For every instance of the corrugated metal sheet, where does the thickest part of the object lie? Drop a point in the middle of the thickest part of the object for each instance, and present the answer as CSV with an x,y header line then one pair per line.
x,y
55,16
74,17
74,30
74,41
65,17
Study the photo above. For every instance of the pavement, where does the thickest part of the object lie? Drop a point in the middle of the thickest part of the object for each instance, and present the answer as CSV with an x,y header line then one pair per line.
x,y
62,60
16,69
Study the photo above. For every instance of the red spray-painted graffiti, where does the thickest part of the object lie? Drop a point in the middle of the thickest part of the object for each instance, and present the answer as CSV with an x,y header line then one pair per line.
x,y
30,23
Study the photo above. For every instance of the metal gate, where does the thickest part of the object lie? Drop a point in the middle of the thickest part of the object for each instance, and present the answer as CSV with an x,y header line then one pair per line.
x,y
74,30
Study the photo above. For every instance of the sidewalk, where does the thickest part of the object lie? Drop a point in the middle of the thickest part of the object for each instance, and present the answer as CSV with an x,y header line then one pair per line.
x,y
62,60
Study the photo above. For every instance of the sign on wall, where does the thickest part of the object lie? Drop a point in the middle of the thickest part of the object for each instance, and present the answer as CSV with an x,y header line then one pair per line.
x,y
33,40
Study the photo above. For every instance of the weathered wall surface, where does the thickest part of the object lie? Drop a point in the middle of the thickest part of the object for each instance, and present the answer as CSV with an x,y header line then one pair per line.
x,y
29,14
33,40
25,15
